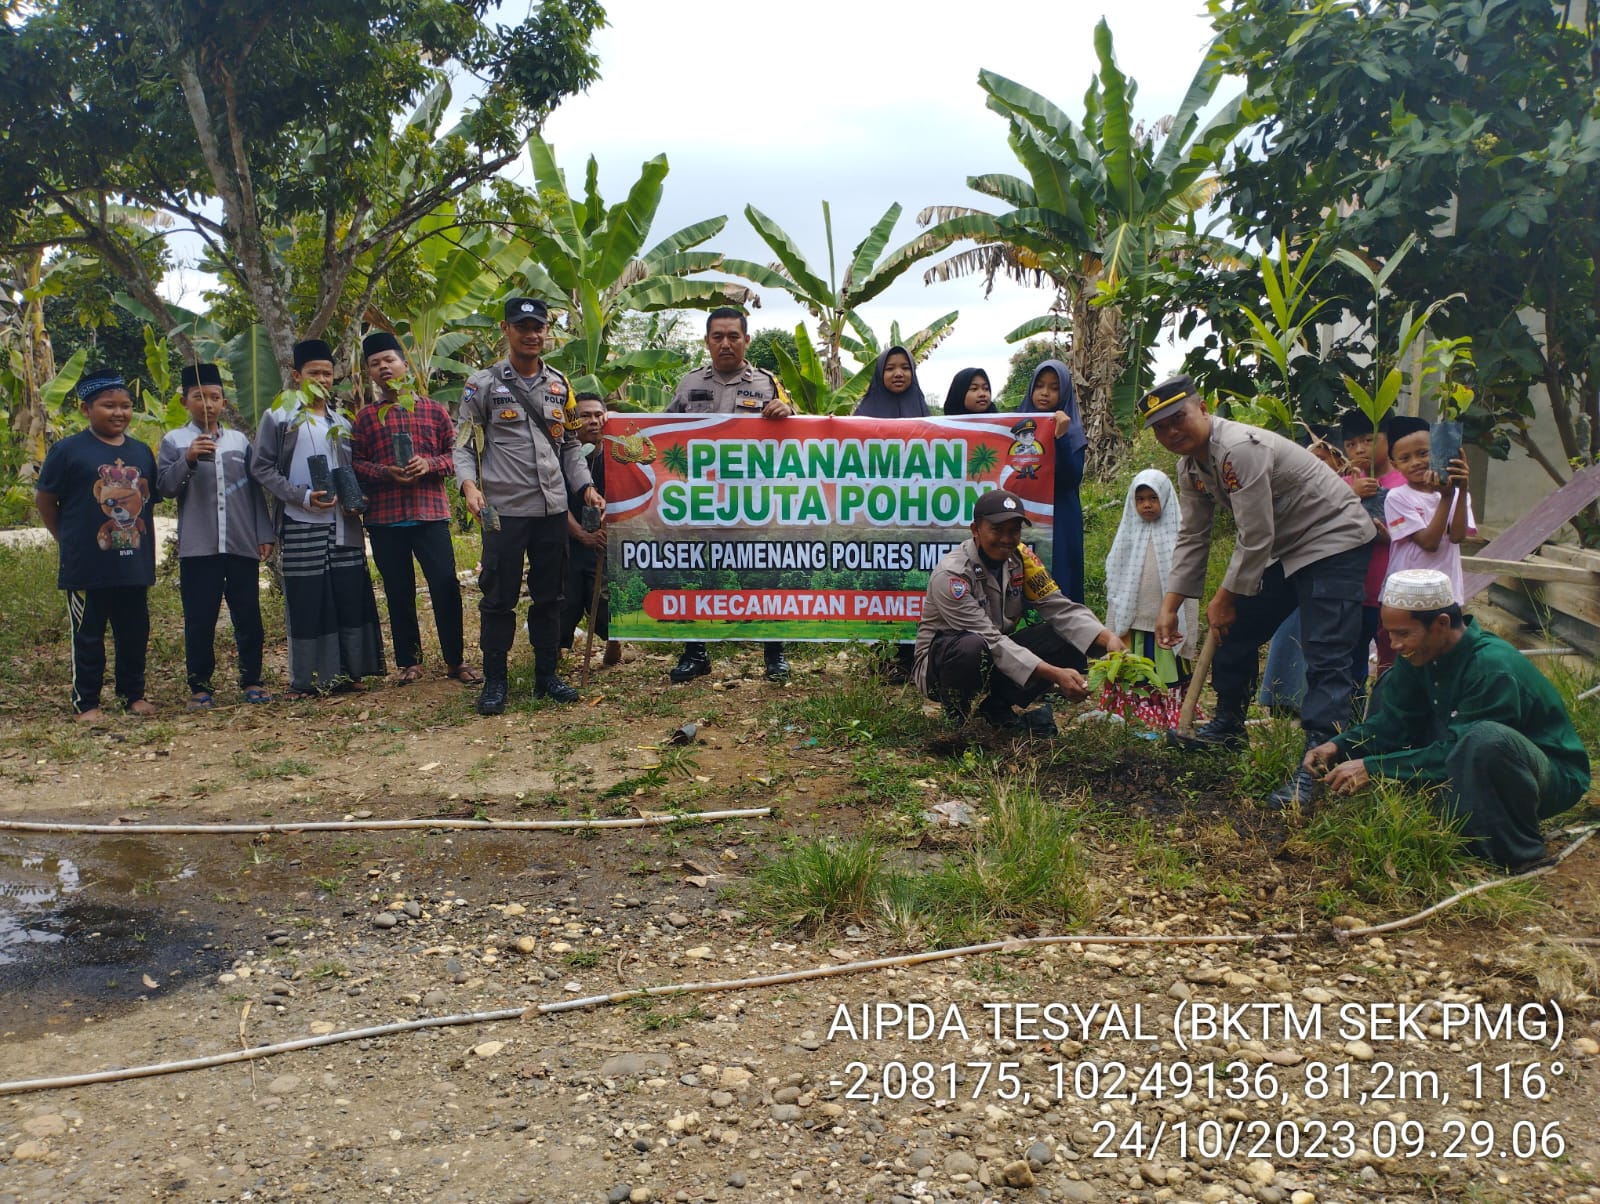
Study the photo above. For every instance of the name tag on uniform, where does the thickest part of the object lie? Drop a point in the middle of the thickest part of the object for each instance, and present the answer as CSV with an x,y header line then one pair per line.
x,y
749,403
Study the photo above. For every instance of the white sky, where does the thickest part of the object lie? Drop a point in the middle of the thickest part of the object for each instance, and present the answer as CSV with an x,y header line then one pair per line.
x,y
856,102
861,104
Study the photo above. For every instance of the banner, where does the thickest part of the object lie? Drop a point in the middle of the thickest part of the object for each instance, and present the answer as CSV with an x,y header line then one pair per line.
x,y
805,528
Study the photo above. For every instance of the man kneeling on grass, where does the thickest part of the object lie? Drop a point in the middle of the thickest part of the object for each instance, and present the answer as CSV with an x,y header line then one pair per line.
x,y
976,597
1464,710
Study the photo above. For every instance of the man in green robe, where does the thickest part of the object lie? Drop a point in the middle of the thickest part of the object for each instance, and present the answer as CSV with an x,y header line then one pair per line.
x,y
1464,710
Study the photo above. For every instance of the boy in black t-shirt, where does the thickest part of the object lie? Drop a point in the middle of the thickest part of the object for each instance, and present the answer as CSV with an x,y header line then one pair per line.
x,y
92,495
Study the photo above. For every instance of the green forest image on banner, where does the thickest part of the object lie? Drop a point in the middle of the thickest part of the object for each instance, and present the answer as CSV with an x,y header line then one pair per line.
x,y
726,527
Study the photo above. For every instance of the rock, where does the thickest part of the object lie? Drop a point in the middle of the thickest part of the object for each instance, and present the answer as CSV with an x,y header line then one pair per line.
x,y
786,1095
1214,1193
786,1113
1359,1050
1082,1193
1316,995
960,1163
1016,1174
385,919
737,1179
488,1049
722,1099
52,1125
641,1195
29,1151
434,999
677,919
524,944
1152,1173
1261,1173
1587,1046
284,1084
1179,990
1040,1153
1346,923
1303,1197
733,1078
920,1158
1285,1057
684,1122
413,909
631,1065
619,1194
699,952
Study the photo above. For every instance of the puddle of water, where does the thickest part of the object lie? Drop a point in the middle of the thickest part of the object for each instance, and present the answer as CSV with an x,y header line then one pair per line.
x,y
79,930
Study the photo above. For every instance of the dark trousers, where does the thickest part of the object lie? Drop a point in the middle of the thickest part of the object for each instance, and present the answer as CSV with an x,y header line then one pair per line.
x,y
127,609
959,668
541,545
1501,785
582,565
203,582
1328,595
1359,667
393,549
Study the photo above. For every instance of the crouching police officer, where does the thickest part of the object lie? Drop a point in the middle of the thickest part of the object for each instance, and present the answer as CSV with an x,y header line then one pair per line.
x,y
516,453
976,596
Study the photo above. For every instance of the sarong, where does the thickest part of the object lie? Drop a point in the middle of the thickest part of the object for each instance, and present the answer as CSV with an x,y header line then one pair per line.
x,y
330,610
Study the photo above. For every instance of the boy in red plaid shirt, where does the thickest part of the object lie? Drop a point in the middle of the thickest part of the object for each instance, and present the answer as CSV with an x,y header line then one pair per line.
x,y
408,511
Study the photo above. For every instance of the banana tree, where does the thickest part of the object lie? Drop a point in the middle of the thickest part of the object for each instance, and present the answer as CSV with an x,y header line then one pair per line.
x,y
865,346
590,261
808,382
1106,210
832,302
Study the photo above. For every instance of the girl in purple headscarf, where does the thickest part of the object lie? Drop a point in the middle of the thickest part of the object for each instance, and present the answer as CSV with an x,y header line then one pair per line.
x,y
1050,392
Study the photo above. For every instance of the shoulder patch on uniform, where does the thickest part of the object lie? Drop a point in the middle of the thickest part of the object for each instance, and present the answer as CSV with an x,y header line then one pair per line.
x,y
959,587
1037,583
1230,477
469,392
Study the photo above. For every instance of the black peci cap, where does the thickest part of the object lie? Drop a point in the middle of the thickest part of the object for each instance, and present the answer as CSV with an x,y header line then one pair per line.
x,y
200,374
521,309
1000,505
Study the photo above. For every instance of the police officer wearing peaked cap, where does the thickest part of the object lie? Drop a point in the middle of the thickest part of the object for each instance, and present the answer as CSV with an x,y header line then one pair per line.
x,y
730,384
1302,544
968,640
516,451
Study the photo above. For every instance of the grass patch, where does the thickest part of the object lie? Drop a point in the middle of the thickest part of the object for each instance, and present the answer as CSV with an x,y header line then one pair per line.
x,y
1277,746
1023,866
860,712
1388,846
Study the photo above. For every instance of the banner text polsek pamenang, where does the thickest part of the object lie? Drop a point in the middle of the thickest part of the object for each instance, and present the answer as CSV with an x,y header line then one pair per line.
x,y
727,527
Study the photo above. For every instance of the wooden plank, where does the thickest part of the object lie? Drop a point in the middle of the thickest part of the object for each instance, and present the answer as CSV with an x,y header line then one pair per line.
x,y
1577,633
1539,524
1576,601
1585,558
1534,568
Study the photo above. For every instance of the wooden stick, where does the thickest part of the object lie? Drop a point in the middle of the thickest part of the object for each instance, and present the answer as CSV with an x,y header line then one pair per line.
x,y
594,611
1197,683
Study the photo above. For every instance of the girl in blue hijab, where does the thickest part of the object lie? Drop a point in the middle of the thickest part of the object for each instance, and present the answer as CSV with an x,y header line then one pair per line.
x,y
1050,392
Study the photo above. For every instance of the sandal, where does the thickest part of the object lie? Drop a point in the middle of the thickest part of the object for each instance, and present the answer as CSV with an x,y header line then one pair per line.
x,y
200,700
408,675
465,674
299,695
256,695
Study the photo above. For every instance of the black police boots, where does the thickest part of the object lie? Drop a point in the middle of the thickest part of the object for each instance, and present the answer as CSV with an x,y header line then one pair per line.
x,y
777,662
1226,730
548,685
492,698
695,662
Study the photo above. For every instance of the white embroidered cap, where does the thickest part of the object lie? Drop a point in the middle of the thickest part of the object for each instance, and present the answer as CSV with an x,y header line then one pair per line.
x,y
1418,589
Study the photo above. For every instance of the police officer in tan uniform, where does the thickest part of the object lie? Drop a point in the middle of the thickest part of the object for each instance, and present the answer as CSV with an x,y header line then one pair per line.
x,y
976,597
729,385
1302,543
516,452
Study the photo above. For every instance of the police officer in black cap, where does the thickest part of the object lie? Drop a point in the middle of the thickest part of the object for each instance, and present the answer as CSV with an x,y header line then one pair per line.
x,y
517,452
967,640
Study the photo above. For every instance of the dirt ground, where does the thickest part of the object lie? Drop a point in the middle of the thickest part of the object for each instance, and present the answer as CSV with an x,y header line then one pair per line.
x,y
1427,1064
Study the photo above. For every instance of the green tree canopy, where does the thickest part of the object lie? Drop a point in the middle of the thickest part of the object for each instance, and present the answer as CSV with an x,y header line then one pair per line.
x,y
1471,124
239,119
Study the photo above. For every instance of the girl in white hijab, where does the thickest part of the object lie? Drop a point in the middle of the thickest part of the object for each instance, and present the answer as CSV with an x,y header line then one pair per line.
x,y
1137,571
